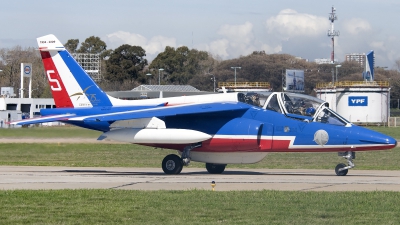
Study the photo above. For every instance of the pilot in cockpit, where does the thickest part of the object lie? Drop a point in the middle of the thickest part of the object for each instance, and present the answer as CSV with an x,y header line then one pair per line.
x,y
253,99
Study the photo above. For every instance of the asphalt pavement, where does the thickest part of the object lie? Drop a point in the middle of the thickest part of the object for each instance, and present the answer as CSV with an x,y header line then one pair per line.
x,y
49,177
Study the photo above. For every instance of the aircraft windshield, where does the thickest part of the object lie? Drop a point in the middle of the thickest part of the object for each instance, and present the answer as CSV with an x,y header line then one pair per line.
x,y
327,116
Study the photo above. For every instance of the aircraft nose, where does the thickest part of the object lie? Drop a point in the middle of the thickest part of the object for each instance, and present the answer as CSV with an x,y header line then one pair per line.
x,y
391,141
381,141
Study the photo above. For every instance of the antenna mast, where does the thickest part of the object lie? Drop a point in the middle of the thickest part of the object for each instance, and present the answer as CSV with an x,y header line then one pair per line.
x,y
332,32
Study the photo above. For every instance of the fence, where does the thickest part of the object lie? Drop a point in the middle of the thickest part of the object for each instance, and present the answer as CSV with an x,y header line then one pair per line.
x,y
394,122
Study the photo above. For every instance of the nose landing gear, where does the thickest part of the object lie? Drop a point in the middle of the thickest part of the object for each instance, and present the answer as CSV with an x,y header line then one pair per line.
x,y
341,169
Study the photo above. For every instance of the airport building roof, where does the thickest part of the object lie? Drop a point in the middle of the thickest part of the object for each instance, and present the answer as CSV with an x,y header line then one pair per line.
x,y
157,91
173,88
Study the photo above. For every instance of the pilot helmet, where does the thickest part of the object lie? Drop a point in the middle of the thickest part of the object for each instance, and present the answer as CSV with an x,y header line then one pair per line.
x,y
310,111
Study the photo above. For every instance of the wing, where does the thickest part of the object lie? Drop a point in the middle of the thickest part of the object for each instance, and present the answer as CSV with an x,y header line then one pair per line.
x,y
166,111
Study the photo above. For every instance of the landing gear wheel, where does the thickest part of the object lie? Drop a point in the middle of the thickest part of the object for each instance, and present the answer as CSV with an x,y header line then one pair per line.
x,y
342,172
215,168
172,164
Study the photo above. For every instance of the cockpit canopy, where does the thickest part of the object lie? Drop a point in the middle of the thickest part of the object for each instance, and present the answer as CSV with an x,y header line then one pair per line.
x,y
297,106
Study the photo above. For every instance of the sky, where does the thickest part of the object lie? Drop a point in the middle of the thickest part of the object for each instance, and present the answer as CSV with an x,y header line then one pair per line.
x,y
226,28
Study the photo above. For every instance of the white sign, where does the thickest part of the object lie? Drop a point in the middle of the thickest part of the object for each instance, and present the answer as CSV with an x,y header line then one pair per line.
x,y
26,69
294,81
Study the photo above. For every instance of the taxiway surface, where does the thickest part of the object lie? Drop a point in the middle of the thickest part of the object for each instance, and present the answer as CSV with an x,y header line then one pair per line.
x,y
41,177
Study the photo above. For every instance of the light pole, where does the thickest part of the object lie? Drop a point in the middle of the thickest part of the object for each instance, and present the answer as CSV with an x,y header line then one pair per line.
x,y
159,77
149,74
337,66
212,79
235,67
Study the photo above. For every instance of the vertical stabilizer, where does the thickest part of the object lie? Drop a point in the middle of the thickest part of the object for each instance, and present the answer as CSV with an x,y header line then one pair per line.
x,y
70,85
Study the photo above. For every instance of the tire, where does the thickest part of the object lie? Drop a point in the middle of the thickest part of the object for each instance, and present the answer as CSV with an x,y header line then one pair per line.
x,y
172,164
343,172
215,168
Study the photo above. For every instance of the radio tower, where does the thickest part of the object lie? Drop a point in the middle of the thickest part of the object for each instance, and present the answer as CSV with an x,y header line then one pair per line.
x,y
332,33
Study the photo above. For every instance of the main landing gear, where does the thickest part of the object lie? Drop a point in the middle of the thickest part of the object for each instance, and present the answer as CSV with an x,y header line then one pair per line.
x,y
215,168
341,168
173,164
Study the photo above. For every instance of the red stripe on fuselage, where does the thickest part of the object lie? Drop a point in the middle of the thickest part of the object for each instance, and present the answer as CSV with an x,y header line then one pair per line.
x,y
265,145
61,97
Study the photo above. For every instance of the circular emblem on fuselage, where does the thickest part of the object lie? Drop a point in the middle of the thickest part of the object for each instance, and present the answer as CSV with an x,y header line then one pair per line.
x,y
321,137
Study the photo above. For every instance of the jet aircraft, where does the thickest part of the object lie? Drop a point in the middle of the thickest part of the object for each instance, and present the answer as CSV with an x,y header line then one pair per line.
x,y
217,129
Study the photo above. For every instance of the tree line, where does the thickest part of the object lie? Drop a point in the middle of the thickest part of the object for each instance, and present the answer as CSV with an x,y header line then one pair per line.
x,y
126,67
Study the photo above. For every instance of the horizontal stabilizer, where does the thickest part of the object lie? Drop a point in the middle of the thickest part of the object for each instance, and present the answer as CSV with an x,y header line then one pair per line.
x,y
44,119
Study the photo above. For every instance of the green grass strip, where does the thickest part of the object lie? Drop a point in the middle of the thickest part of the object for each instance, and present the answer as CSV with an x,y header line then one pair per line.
x,y
197,207
50,132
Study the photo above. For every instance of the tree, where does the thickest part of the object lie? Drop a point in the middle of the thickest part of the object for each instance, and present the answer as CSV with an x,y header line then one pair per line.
x,y
10,64
125,63
180,65
72,45
92,45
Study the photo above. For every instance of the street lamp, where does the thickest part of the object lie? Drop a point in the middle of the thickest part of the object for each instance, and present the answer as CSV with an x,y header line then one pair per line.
x,y
337,66
159,79
234,67
212,79
149,74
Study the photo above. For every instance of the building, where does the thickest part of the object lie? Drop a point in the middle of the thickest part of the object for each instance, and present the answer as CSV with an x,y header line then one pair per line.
x,y
12,109
356,57
323,61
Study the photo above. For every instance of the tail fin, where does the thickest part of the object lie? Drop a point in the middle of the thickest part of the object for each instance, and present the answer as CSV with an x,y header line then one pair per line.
x,y
70,85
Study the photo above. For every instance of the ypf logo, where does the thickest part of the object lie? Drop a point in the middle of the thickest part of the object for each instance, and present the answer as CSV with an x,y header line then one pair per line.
x,y
358,101
27,70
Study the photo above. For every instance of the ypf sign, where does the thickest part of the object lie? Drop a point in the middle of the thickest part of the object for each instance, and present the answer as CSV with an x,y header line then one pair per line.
x,y
358,100
26,69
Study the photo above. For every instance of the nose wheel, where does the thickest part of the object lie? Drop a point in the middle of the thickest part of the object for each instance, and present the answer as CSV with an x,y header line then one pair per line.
x,y
340,171
341,168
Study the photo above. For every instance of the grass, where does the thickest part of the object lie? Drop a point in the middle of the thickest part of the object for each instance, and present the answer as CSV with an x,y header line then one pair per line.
x,y
123,155
50,132
197,207
391,131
